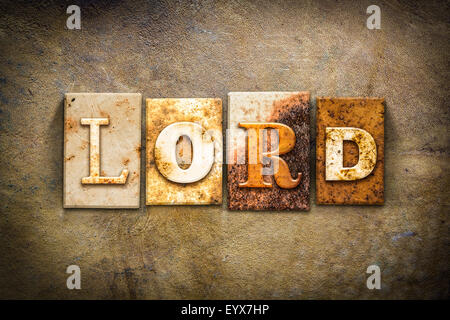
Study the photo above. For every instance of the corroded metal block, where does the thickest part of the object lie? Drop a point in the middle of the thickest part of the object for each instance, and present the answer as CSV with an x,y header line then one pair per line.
x,y
184,151
102,146
268,151
350,151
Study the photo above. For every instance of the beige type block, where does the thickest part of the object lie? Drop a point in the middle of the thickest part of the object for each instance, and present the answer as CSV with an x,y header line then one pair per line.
x,y
183,171
102,147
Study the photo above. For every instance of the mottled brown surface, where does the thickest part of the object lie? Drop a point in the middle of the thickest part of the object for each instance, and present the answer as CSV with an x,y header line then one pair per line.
x,y
207,49
363,113
293,112
162,112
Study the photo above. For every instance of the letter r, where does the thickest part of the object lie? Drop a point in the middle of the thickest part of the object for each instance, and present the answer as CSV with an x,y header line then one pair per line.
x,y
256,153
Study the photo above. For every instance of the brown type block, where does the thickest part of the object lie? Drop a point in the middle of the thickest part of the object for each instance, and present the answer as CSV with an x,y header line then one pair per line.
x,y
102,148
275,173
184,151
344,186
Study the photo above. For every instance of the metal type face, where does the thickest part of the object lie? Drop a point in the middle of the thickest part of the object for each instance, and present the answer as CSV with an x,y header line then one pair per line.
x,y
268,151
350,151
102,143
184,151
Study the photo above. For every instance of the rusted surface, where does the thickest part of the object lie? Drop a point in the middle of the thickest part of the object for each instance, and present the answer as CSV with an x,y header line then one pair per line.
x,y
101,139
363,113
288,189
164,112
184,152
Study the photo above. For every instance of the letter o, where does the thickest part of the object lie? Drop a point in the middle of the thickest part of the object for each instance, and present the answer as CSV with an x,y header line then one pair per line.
x,y
202,152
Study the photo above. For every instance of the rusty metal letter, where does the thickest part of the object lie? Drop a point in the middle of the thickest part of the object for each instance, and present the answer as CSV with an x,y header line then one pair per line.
x,y
286,142
94,157
335,170
202,152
